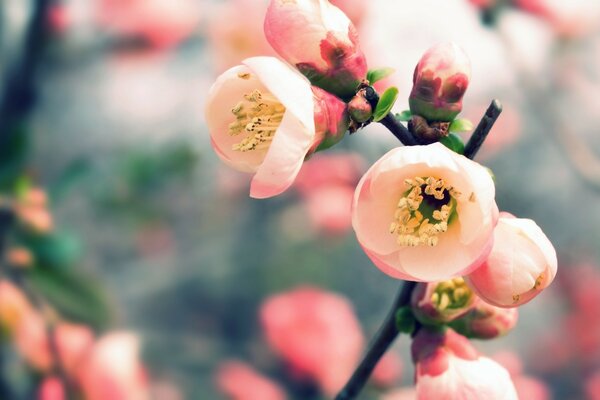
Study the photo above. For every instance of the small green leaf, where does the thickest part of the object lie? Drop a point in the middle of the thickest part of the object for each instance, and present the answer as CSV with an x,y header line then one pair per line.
x,y
404,116
385,104
405,320
461,125
375,75
454,143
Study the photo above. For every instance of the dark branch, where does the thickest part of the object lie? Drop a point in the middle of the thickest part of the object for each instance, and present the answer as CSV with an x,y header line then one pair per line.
x,y
482,130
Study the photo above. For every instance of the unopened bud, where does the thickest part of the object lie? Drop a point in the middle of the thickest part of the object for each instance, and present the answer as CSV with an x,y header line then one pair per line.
x,y
439,83
360,109
485,321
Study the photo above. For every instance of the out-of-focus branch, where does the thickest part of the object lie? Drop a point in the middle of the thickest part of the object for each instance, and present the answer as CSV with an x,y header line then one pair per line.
x,y
483,129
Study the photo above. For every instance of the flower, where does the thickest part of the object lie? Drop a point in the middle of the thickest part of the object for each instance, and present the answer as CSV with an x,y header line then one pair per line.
x,y
527,387
112,369
265,118
239,381
522,264
51,388
485,321
441,302
439,82
449,367
316,333
425,213
320,40
354,9
388,370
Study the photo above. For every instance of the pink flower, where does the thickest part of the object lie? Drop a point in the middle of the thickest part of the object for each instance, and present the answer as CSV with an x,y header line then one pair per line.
x,y
449,367
527,387
327,182
320,40
425,213
568,18
265,118
51,389
354,9
439,82
592,386
242,36
522,264
388,370
316,333
441,302
113,371
163,23
485,321
14,306
239,381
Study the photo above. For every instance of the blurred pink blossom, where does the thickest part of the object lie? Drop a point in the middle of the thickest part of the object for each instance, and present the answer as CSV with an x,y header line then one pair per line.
x,y
51,388
527,387
592,386
568,18
163,23
449,367
14,306
316,333
239,381
388,370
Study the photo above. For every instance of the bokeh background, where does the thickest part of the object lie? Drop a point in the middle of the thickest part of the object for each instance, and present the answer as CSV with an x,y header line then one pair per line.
x,y
103,108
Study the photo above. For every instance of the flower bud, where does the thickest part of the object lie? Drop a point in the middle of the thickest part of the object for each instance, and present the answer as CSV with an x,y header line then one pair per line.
x,y
320,40
485,321
360,109
441,302
521,264
439,83
331,119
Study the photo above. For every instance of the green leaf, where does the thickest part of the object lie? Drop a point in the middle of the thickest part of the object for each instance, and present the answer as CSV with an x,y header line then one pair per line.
x,y
404,116
385,104
375,75
77,297
461,125
56,250
405,320
454,143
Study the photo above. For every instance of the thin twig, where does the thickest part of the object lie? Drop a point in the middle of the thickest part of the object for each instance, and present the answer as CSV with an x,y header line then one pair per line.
x,y
483,129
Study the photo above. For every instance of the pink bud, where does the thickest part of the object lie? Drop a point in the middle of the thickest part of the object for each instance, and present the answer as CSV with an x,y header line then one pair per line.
x,y
522,264
448,367
441,302
320,40
486,321
439,83
239,381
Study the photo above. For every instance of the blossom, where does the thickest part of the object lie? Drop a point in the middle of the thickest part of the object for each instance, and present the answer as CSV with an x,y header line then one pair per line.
x,y
449,367
568,18
439,82
14,306
521,264
112,369
354,9
51,388
425,213
485,321
441,302
527,387
265,118
240,381
316,333
388,370
320,40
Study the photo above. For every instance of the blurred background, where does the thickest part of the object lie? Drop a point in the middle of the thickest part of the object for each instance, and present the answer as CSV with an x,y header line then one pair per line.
x,y
101,106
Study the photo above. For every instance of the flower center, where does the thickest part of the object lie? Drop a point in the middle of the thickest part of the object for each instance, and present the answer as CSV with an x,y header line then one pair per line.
x,y
257,118
424,211
451,294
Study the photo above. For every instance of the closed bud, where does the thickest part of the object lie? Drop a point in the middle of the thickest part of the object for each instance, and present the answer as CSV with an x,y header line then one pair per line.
x,y
441,302
439,83
485,321
360,109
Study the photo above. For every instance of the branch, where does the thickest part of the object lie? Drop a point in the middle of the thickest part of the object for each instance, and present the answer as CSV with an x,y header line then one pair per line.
x,y
483,129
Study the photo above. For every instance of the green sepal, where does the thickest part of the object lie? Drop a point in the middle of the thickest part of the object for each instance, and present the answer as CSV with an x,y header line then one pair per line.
x,y
461,125
454,143
375,75
405,320
385,104
404,116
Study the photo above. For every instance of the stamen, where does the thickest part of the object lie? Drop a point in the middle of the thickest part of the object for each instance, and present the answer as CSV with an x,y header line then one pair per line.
x,y
424,211
259,116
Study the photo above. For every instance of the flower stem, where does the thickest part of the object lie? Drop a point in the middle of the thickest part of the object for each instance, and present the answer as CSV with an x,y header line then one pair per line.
x,y
388,331
482,130
383,339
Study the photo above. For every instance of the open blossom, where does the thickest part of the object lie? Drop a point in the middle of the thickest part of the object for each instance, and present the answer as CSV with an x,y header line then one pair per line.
x,y
265,118
316,333
441,302
425,213
522,264
240,381
439,82
320,40
485,321
449,367
113,371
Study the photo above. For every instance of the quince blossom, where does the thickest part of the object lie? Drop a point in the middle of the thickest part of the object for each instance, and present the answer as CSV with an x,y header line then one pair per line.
x,y
320,40
265,118
425,213
522,263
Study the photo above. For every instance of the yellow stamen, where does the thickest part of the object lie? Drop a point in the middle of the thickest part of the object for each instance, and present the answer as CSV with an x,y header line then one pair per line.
x,y
258,116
